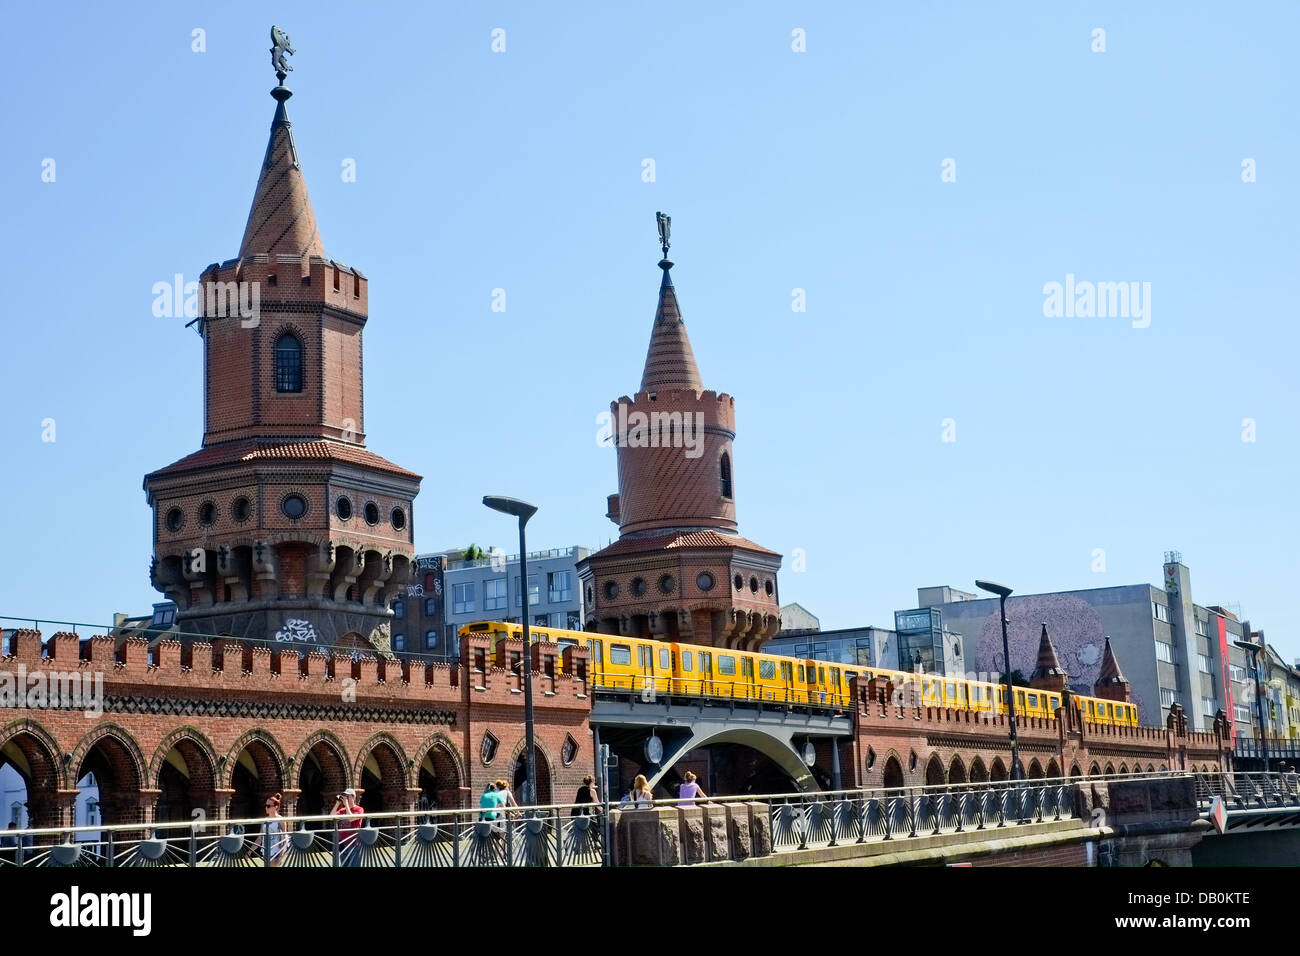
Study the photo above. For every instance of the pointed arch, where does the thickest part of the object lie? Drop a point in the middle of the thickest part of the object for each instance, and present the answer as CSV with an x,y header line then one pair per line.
x,y
1075,771
956,770
724,472
891,777
978,772
1035,770
440,773
1053,769
381,770
1110,769
1094,770
36,756
184,771
288,362
111,756
998,771
544,762
934,774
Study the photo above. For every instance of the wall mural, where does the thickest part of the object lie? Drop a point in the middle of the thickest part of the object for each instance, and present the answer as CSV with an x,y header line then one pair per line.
x,y
1076,633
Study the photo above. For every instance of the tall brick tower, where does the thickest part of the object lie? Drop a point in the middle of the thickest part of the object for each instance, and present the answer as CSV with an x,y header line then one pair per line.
x,y
283,527
679,570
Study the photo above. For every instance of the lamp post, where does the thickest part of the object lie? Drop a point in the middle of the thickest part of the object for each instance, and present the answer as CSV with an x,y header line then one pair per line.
x,y
523,511
1253,650
1001,590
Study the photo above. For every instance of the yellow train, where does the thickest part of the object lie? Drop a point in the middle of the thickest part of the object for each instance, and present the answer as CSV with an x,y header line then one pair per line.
x,y
640,664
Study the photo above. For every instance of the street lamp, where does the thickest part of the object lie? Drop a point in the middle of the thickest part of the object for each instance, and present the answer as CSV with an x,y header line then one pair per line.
x,y
1001,590
523,511
1253,650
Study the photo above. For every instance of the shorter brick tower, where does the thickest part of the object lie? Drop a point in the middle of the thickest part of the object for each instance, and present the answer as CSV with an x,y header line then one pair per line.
x,y
283,527
1048,673
1111,683
679,570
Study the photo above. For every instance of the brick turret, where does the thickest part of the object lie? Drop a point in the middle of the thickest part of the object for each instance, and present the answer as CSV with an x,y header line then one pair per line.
x,y
1111,682
1048,673
679,570
283,524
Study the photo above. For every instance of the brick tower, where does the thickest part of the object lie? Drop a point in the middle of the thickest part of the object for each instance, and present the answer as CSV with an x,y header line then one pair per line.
x,y
679,570
283,527
1048,673
1111,683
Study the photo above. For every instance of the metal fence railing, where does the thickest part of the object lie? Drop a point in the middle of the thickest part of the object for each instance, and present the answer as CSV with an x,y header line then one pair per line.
x,y
1248,791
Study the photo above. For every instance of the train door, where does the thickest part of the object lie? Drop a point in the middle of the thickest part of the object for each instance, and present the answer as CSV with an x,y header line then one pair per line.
x,y
837,691
645,658
597,649
787,682
706,673
663,667
818,680
683,670
749,688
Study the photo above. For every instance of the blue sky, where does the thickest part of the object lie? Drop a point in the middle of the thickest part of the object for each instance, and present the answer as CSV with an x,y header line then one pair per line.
x,y
819,170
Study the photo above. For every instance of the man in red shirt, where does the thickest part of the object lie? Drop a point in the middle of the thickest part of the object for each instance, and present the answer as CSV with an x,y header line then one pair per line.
x,y
349,847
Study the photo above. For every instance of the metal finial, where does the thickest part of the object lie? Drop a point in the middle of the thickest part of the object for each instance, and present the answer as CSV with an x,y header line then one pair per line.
x,y
279,47
665,226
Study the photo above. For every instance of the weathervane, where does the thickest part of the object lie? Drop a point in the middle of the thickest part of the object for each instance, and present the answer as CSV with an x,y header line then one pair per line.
x,y
279,47
665,225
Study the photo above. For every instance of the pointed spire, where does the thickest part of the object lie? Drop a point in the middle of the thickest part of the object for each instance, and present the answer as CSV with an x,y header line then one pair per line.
x,y
281,220
1048,673
1110,672
670,361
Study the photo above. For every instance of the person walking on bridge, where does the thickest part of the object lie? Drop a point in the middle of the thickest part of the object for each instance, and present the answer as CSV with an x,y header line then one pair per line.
x,y
689,790
639,797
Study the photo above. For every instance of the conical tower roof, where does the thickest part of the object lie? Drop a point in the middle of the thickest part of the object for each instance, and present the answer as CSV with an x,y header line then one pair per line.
x,y
1110,672
670,361
1048,665
281,221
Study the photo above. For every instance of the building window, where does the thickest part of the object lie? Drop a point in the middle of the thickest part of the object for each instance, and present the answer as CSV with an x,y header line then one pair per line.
x,y
704,581
559,586
175,520
430,607
399,608
371,511
611,589
1159,612
288,363
343,508
541,620
1243,715
399,642
1164,652
207,513
726,475
294,506
1200,628
573,621
1167,697
431,639
534,591
1207,706
494,594
1238,674
1204,662
462,598
398,518
241,509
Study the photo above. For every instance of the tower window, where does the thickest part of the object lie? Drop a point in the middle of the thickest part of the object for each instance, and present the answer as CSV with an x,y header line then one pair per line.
x,y
726,476
288,363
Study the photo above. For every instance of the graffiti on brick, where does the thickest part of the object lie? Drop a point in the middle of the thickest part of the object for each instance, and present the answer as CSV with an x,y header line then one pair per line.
x,y
296,629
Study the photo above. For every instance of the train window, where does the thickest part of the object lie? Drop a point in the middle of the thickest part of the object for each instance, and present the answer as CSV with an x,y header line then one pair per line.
x,y
849,675
747,666
687,661
1092,707
706,663
802,678
1020,698
620,654
787,671
821,675
726,664
950,690
665,659
767,669
1033,700
596,648
1055,702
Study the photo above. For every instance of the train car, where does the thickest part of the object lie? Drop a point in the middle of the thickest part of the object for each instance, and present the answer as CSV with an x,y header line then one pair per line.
x,y
1098,711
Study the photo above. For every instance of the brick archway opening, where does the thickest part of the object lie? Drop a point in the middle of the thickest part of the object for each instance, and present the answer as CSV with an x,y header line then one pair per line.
x,y
36,767
978,772
322,777
1075,771
956,772
383,780
934,775
187,781
108,769
543,776
255,777
439,780
892,776
1035,770
998,771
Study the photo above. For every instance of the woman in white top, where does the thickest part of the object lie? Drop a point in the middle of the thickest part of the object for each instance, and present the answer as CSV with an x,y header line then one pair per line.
x,y
639,797
689,790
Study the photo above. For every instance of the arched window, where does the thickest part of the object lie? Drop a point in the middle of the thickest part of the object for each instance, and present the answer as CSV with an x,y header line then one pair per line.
x,y
726,475
288,363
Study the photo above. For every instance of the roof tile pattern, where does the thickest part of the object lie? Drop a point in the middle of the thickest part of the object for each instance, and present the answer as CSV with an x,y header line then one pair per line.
x,y
670,361
1110,672
254,450
281,221
679,539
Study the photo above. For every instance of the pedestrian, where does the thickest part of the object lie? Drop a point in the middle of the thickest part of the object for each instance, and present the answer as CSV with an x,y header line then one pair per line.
x,y
639,797
507,798
587,798
689,790
346,805
273,831
489,802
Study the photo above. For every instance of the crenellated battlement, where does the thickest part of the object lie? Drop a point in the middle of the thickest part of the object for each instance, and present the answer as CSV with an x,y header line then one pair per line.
x,y
289,280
